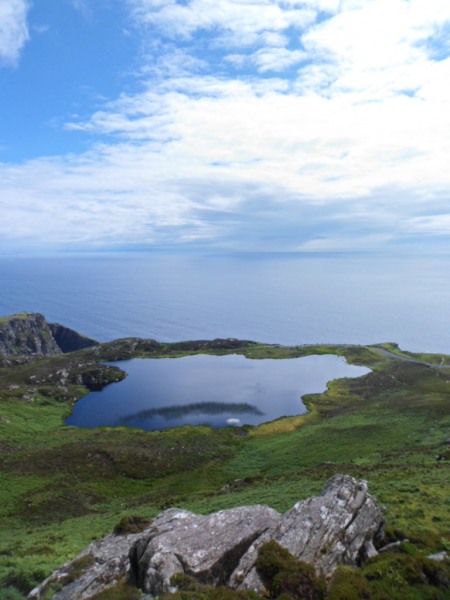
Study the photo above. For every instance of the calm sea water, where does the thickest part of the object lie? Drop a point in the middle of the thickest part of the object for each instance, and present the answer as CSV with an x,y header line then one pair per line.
x,y
277,299
212,390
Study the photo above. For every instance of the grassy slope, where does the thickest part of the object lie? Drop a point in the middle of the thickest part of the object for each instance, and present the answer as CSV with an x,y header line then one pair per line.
x,y
61,487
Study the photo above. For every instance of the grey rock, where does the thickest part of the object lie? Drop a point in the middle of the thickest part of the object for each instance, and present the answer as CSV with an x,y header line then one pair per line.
x,y
337,528
29,334
439,556
206,547
96,377
392,547
69,340
102,565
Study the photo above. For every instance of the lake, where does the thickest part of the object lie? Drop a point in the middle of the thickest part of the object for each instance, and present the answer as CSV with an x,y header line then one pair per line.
x,y
212,390
286,299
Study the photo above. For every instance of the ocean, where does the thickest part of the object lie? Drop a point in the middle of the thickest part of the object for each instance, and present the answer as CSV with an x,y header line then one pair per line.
x,y
284,299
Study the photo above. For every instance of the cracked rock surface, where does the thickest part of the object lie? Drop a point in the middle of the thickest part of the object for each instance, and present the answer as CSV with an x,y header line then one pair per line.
x,y
100,566
337,528
340,527
208,548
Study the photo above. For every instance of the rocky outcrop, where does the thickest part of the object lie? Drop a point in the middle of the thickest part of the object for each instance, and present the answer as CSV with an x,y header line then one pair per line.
x,y
27,333
69,340
342,526
30,334
205,547
97,377
102,565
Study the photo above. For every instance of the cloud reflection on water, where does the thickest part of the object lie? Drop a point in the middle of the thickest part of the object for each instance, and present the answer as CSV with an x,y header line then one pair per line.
x,y
196,408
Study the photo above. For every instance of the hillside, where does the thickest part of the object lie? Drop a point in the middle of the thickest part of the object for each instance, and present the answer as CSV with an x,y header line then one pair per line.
x,y
63,487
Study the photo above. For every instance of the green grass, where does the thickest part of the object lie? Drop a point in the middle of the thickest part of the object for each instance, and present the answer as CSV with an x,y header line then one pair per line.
x,y
61,487
21,315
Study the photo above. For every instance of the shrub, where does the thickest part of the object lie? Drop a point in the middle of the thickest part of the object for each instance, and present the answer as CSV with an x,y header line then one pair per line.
x,y
121,591
23,581
132,524
349,584
11,593
399,576
282,574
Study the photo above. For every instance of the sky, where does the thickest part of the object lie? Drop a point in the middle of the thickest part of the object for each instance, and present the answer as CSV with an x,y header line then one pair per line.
x,y
224,125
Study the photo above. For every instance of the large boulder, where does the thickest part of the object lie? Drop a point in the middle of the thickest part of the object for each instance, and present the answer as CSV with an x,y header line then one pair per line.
x,y
208,548
340,527
102,565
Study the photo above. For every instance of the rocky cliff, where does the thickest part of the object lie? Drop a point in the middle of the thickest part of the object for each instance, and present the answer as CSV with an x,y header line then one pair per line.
x,y
69,340
340,527
30,334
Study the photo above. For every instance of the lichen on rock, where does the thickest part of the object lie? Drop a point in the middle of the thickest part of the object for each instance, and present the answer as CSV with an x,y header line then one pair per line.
x,y
340,527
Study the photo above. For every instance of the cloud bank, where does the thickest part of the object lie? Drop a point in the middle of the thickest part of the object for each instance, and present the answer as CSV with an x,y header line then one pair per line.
x,y
13,30
257,124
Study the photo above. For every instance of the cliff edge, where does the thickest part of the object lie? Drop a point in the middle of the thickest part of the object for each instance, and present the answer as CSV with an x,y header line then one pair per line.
x,y
30,334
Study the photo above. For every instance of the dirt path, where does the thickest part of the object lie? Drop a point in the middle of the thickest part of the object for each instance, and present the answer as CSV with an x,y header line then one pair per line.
x,y
388,354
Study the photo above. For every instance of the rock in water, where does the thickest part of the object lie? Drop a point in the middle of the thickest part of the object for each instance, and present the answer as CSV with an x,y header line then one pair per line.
x,y
338,527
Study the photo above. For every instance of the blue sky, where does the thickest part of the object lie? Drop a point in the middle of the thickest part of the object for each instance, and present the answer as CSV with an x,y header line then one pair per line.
x,y
224,125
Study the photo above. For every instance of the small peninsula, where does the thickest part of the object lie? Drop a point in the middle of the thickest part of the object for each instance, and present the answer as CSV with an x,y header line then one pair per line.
x,y
64,488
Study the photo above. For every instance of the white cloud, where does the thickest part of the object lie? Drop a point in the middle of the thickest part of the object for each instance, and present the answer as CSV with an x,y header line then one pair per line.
x,y
435,225
317,146
84,8
276,59
105,197
357,141
239,18
13,30
338,243
198,147
377,46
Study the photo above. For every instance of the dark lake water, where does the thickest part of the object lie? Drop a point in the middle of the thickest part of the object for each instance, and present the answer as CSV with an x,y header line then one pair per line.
x,y
213,390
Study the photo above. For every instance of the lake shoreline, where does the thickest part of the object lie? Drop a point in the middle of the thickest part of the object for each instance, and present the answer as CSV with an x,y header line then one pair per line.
x,y
210,390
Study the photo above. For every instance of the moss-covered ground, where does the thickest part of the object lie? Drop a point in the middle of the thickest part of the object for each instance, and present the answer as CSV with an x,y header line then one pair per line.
x,y
61,487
